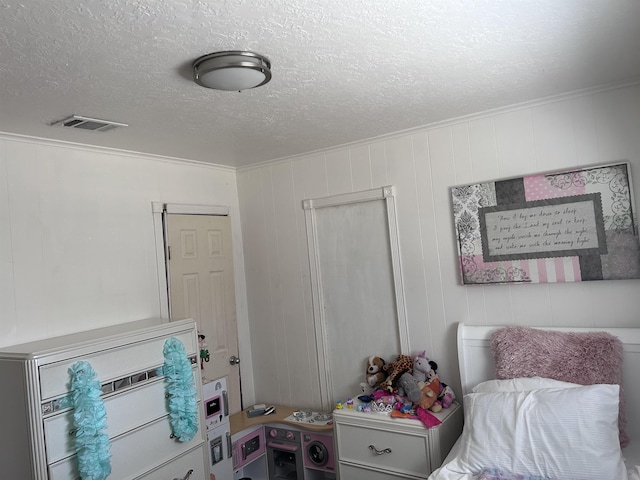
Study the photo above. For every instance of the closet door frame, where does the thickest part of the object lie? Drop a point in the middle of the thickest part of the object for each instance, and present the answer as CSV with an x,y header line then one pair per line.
x,y
388,195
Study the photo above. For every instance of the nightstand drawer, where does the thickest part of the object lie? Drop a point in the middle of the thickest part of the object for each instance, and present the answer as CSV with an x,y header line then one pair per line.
x,y
397,452
349,472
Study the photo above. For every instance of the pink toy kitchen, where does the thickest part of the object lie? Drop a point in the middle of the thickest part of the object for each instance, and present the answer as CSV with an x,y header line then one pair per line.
x,y
281,443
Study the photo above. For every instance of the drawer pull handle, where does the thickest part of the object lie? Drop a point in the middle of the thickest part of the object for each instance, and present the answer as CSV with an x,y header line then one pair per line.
x,y
379,452
186,477
72,432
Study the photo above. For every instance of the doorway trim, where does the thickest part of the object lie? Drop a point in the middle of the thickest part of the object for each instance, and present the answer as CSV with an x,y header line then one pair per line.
x,y
159,211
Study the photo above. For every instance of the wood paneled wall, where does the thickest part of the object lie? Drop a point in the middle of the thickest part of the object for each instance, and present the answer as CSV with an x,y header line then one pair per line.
x,y
589,128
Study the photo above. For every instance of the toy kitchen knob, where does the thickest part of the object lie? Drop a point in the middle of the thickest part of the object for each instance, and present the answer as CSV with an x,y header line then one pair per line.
x,y
273,433
289,436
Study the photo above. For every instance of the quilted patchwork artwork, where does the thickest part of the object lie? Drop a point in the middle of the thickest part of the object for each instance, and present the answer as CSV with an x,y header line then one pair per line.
x,y
558,227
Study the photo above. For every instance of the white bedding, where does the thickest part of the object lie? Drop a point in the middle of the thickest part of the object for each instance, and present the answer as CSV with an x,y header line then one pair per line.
x,y
631,456
520,427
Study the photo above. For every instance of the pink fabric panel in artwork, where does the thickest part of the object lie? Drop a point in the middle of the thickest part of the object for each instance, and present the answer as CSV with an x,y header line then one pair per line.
x,y
542,270
559,264
536,270
537,187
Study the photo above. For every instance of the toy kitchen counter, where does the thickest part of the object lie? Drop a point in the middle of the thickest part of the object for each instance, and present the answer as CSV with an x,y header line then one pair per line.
x,y
286,443
301,418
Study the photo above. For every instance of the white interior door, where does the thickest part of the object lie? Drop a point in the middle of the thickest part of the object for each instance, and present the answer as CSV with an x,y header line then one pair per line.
x,y
201,286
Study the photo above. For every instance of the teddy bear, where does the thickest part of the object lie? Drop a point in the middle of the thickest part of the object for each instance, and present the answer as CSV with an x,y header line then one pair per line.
x,y
374,375
394,370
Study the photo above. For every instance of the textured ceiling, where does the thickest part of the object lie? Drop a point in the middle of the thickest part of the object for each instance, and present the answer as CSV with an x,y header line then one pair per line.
x,y
342,71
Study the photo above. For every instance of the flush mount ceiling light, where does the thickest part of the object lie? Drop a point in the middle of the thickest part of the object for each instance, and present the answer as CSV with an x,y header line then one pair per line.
x,y
232,70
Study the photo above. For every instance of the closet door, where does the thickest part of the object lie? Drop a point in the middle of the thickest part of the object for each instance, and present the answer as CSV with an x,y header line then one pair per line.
x,y
357,286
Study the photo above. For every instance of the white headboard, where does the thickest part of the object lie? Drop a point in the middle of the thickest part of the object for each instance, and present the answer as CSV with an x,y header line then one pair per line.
x,y
476,363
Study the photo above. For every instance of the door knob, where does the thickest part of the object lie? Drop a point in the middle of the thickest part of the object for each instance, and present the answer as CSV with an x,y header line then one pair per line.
x,y
233,360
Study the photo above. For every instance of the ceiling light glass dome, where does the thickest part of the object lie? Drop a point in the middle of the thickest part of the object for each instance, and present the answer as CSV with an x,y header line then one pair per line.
x,y
232,70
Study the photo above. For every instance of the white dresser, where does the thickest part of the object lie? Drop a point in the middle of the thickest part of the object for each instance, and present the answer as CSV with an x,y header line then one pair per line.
x,y
373,446
38,435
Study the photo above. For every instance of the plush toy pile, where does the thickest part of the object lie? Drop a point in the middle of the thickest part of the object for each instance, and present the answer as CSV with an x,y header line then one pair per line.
x,y
410,384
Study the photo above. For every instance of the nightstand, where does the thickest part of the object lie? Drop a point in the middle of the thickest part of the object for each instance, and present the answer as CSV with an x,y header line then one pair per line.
x,y
374,446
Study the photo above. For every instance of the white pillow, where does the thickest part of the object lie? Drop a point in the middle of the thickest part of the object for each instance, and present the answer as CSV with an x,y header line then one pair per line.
x,y
523,384
565,434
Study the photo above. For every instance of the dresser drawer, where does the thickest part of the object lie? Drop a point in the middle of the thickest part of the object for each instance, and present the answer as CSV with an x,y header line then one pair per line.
x,y
134,453
126,411
408,455
349,472
111,364
180,467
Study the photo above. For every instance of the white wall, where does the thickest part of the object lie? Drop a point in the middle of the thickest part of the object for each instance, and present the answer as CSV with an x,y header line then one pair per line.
x,y
575,130
77,245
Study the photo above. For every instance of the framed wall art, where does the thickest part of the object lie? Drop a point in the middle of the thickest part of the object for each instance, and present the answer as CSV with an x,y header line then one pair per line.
x,y
569,226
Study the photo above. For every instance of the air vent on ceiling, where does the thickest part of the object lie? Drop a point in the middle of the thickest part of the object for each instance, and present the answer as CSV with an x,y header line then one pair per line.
x,y
91,124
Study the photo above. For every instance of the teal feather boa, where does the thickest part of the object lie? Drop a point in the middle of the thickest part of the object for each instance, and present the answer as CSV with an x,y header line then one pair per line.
x,y
90,422
181,391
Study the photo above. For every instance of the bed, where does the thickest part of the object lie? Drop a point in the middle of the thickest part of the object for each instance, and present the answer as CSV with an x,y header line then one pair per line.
x,y
540,428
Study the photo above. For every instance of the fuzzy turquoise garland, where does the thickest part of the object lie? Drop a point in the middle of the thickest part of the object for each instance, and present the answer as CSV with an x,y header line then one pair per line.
x,y
181,391
90,422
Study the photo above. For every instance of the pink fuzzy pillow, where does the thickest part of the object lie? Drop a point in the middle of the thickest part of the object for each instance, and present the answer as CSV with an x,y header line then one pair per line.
x,y
583,358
